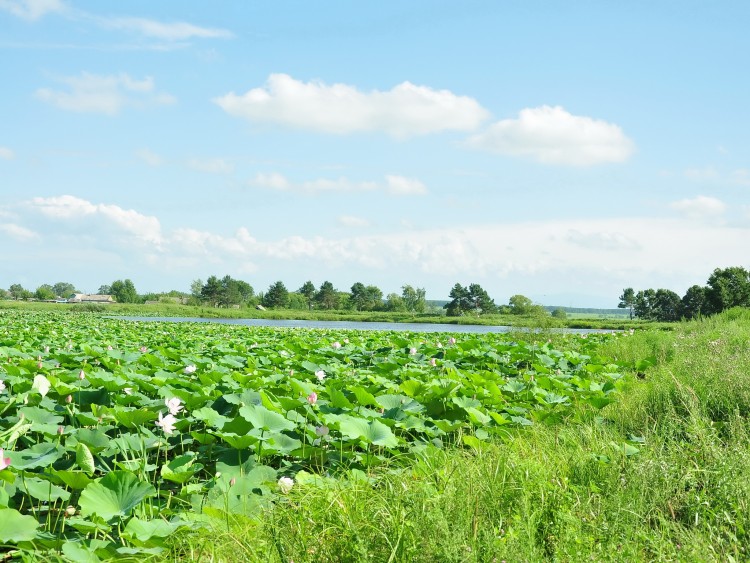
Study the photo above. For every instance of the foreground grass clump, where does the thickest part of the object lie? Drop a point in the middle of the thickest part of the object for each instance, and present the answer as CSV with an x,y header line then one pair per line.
x,y
662,474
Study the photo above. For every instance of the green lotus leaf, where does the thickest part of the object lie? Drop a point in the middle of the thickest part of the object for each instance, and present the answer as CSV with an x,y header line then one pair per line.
x,y
38,455
371,431
16,527
264,419
114,495
42,490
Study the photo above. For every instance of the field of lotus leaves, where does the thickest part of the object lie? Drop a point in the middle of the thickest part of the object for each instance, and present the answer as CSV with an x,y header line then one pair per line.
x,y
116,434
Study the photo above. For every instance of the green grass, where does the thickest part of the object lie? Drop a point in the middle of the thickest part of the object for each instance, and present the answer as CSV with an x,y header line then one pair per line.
x,y
663,474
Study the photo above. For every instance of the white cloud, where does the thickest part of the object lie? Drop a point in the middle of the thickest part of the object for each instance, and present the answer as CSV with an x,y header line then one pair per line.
x,y
399,185
18,233
6,153
149,157
741,177
107,94
403,111
211,165
526,257
706,174
71,209
394,185
353,221
551,135
700,207
31,9
175,31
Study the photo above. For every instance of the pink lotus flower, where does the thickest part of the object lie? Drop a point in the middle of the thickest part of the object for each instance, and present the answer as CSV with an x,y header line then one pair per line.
x,y
82,375
433,362
174,405
336,345
312,398
451,341
69,399
166,423
190,369
320,374
4,461
143,349
322,430
412,351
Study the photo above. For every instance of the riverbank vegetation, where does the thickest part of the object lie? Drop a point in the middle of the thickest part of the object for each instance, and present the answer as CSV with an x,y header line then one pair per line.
x,y
211,442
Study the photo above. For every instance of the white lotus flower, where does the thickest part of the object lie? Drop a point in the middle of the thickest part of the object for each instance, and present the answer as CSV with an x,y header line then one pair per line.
x,y
41,384
190,369
320,374
174,405
285,484
166,423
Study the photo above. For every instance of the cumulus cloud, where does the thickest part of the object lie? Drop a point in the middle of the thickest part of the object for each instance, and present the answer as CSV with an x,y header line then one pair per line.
x,y
149,157
403,111
353,221
211,165
551,135
700,207
175,31
18,233
70,209
740,177
393,185
6,153
106,94
606,253
31,9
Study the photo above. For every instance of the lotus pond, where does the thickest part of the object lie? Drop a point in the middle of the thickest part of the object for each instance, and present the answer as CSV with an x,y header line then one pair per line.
x,y
116,434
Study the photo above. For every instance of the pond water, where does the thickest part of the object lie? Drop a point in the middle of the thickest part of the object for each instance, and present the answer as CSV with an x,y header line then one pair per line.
x,y
356,325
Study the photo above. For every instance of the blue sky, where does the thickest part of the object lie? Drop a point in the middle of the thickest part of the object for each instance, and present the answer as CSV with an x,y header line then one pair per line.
x,y
562,150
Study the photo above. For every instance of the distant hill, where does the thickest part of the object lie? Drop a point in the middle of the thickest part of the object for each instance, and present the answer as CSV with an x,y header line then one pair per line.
x,y
590,310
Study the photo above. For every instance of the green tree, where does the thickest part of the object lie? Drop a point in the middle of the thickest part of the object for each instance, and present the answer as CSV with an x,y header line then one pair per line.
x,y
693,302
644,304
124,291
627,300
17,291
520,305
666,306
394,302
365,297
481,303
45,292
104,290
327,296
308,292
277,296
64,289
560,313
414,298
460,302
358,297
211,291
728,287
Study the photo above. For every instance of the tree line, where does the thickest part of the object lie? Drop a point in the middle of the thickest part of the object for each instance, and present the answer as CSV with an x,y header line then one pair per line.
x,y
230,292
724,289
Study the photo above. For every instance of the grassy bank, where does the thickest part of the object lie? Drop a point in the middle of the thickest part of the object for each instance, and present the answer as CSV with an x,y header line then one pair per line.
x,y
176,310
663,474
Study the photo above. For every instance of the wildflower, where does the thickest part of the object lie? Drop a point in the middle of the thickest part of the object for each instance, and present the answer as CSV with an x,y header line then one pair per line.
x,y
166,423
336,345
285,484
4,461
174,405
82,375
412,351
322,430
312,398
190,369
2,386
433,362
320,374
451,341
127,390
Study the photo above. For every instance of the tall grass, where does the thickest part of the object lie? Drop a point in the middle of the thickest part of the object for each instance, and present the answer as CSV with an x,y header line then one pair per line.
x,y
661,475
